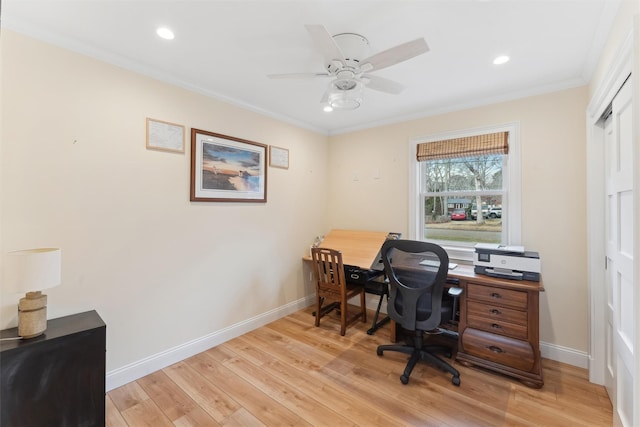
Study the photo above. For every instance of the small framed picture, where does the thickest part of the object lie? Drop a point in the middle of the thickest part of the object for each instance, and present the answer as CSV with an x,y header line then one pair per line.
x,y
165,136
227,169
278,157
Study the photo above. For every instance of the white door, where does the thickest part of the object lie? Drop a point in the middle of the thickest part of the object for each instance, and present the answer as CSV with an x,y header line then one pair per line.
x,y
610,371
620,329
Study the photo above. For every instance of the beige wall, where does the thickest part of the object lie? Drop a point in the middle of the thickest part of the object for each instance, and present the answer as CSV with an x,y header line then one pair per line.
x,y
553,192
160,270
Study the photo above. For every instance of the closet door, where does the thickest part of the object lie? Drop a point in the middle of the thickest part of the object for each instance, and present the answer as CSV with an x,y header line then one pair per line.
x,y
620,284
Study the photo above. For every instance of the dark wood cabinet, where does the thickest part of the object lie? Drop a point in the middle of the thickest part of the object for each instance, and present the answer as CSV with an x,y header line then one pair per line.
x,y
56,379
499,327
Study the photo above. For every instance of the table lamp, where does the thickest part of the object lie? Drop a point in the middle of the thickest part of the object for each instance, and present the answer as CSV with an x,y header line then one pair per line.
x,y
31,271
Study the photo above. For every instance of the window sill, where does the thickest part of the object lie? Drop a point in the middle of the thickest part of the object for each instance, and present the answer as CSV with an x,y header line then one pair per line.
x,y
463,255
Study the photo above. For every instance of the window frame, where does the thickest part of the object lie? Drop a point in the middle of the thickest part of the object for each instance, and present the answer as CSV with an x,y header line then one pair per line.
x,y
512,188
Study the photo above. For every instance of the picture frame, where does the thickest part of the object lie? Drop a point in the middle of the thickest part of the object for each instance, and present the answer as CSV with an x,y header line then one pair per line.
x,y
164,136
278,157
227,169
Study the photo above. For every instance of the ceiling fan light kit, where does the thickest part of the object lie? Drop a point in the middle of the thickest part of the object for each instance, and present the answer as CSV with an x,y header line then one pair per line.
x,y
346,59
345,94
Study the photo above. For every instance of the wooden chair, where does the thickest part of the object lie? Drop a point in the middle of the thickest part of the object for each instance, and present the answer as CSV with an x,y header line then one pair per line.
x,y
331,284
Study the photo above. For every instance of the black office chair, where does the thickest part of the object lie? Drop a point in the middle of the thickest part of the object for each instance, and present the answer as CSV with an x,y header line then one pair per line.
x,y
417,272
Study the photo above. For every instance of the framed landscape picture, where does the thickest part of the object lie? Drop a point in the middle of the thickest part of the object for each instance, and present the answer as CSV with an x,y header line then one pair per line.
x,y
227,169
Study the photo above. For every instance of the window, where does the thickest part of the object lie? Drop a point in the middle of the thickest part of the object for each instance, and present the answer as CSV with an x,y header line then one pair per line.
x,y
466,189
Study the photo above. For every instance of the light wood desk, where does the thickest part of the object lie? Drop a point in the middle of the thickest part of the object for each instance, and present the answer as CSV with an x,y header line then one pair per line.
x,y
499,318
359,248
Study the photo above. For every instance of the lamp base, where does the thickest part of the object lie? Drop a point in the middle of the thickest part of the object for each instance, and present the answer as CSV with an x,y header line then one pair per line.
x,y
32,315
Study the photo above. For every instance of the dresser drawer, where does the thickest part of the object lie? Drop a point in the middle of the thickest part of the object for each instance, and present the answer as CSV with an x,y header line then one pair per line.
x,y
498,326
506,351
495,295
496,312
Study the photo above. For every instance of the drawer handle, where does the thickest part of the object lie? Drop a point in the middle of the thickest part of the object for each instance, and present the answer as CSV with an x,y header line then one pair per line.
x,y
494,311
496,326
495,349
495,295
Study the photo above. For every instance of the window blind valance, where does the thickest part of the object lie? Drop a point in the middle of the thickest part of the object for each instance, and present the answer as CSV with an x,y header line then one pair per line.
x,y
468,146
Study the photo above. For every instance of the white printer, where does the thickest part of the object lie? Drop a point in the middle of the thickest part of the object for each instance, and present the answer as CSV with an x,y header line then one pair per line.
x,y
507,262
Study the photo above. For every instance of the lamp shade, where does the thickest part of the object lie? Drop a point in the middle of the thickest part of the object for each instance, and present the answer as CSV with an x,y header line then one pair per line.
x,y
32,270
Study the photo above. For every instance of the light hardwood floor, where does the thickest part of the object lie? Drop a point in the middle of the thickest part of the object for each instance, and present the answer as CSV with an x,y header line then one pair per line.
x,y
291,373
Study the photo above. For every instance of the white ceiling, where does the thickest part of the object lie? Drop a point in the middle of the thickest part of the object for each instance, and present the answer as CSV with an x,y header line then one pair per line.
x,y
226,48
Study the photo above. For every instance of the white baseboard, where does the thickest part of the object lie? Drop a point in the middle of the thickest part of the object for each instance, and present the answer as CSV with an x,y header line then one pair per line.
x,y
566,355
139,369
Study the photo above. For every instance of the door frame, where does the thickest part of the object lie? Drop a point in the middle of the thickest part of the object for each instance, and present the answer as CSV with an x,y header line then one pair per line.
x,y
619,70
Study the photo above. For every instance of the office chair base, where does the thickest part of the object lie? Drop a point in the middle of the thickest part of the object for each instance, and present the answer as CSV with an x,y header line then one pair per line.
x,y
422,353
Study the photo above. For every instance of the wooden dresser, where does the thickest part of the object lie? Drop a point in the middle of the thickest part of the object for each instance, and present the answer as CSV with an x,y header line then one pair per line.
x,y
499,326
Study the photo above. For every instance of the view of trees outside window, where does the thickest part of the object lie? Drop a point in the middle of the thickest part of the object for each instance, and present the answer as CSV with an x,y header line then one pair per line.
x,y
462,199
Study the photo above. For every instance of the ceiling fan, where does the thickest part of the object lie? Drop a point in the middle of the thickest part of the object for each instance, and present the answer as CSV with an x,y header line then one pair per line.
x,y
347,61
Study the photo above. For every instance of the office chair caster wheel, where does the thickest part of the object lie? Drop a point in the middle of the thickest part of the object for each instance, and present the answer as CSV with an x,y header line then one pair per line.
x,y
379,352
456,381
404,379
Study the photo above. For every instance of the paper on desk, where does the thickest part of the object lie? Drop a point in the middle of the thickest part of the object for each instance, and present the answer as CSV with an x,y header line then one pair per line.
x,y
498,247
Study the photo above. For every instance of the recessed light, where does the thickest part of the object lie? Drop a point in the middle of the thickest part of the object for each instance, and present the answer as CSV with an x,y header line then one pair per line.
x,y
503,59
327,109
165,33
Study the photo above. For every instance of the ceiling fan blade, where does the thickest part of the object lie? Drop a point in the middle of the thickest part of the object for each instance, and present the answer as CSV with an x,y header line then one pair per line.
x,y
325,43
298,75
394,55
381,84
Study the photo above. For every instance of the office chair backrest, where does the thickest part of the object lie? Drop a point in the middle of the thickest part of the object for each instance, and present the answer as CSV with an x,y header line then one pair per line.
x,y
329,270
415,294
